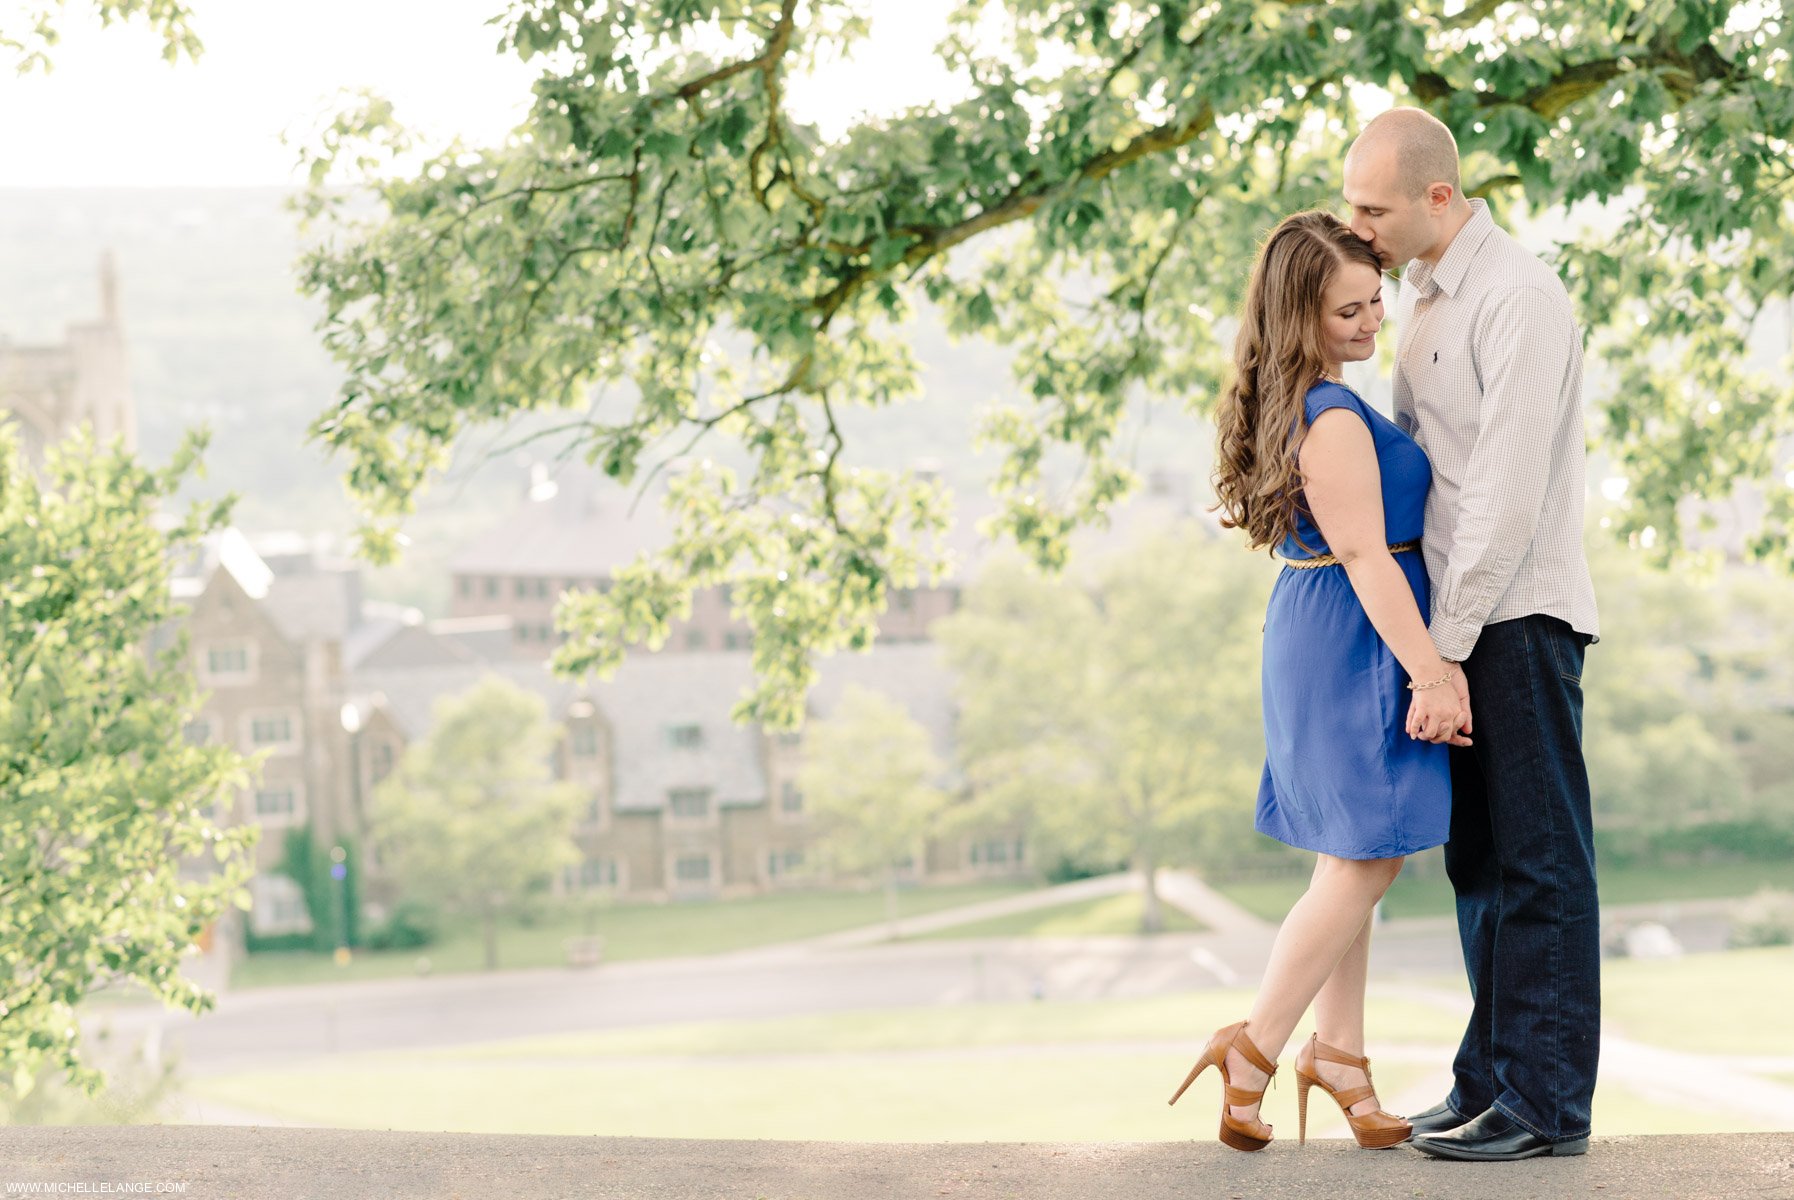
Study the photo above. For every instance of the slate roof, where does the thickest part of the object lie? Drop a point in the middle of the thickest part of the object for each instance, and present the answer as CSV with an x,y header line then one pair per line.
x,y
586,529
653,692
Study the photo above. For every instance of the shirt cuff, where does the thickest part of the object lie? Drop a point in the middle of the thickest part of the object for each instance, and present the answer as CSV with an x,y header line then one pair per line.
x,y
1455,639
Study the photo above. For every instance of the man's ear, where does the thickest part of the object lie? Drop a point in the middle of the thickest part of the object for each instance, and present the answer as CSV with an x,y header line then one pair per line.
x,y
1439,197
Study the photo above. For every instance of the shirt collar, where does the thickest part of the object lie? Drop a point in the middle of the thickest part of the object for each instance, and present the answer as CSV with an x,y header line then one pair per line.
x,y
1455,262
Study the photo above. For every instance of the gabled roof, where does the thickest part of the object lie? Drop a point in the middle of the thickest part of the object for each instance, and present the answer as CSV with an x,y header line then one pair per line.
x,y
583,525
652,693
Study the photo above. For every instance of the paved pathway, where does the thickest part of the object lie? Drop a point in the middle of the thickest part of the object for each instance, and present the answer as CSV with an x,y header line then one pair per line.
x,y
1718,1084
329,1164
1031,901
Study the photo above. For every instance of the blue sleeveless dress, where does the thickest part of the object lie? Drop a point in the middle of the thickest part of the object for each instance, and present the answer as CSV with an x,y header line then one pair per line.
x,y
1342,777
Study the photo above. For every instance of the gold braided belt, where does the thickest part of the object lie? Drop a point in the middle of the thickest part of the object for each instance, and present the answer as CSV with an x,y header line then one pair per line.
x,y
1327,560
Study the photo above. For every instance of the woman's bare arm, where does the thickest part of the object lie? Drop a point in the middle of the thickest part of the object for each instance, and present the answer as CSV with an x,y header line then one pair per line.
x,y
1344,490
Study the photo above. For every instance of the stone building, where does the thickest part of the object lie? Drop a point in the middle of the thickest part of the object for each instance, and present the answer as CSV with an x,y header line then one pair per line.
x,y
682,802
51,389
265,630
571,531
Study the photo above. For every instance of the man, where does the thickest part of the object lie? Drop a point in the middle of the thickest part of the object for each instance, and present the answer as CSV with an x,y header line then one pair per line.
x,y
1488,379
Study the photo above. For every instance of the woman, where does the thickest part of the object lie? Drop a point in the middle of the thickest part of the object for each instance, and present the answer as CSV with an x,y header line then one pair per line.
x,y
1358,706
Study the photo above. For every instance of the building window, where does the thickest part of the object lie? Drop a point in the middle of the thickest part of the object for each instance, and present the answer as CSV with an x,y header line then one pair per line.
x,y
694,639
466,587
272,731
492,585
906,599
734,641
692,868
689,804
545,633
592,873
685,737
277,804
380,763
583,741
790,799
780,863
198,731
230,662
996,852
277,904
541,589
594,814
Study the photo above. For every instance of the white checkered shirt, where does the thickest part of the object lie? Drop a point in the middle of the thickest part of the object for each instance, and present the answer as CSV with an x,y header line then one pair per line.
x,y
1488,379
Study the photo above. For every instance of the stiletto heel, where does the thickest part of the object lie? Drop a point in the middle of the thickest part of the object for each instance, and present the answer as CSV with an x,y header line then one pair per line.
x,y
1249,1134
1374,1130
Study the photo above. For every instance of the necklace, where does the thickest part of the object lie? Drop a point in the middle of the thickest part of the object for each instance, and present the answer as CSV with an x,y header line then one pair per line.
x,y
1330,377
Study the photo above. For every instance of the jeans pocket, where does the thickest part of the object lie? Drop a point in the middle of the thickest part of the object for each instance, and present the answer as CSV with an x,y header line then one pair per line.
x,y
1566,647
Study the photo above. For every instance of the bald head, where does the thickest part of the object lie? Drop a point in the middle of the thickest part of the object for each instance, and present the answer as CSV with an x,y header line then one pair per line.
x,y
1414,145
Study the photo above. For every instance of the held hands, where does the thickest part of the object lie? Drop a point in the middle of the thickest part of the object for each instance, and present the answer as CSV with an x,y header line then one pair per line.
x,y
1442,714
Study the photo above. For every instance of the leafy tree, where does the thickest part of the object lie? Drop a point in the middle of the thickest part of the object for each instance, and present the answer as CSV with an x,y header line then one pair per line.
x,y
333,905
472,820
29,35
111,861
871,783
1116,714
662,220
1688,701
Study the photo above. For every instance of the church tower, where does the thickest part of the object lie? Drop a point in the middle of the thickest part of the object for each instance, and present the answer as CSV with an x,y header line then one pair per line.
x,y
49,390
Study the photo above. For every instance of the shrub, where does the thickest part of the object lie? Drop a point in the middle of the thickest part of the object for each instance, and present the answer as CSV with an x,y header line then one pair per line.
x,y
410,926
1766,919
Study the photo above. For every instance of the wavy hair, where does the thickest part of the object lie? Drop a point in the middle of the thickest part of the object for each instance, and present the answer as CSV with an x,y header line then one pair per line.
x,y
1277,355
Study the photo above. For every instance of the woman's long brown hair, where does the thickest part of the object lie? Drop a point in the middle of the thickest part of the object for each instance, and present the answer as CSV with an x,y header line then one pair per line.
x,y
1277,356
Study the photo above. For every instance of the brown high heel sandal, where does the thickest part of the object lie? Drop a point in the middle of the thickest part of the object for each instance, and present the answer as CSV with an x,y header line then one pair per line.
x,y
1249,1134
1374,1130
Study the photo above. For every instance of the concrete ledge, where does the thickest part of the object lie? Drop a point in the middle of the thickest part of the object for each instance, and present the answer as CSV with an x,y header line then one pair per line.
x,y
247,1163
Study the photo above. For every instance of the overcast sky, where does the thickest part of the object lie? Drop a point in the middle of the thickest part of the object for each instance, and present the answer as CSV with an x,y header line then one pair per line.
x,y
112,113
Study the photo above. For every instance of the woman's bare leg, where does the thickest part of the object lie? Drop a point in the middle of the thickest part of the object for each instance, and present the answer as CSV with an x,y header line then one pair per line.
x,y
1320,930
1339,1015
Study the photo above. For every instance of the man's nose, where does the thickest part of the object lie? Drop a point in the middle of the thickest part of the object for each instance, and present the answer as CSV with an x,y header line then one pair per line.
x,y
1361,227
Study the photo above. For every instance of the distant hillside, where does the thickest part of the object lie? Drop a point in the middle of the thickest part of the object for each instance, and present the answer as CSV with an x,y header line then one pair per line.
x,y
219,334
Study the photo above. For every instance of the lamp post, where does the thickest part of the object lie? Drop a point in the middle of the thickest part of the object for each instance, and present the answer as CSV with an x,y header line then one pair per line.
x,y
339,857
339,871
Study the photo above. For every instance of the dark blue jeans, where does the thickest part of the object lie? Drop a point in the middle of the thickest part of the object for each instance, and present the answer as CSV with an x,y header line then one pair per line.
x,y
1522,861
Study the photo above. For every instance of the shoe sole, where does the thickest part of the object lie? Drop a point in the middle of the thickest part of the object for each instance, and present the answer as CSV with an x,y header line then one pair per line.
x,y
1551,1150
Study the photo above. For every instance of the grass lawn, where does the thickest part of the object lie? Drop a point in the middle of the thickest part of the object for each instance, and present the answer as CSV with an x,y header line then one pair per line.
x,y
1056,1071
1730,1003
1429,895
1031,1094
1119,914
630,931
1188,1017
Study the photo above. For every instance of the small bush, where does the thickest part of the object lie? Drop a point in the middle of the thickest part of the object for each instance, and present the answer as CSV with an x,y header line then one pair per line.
x,y
1766,919
277,943
411,925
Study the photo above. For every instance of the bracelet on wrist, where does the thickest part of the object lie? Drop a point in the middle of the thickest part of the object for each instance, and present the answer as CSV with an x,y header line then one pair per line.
x,y
1437,683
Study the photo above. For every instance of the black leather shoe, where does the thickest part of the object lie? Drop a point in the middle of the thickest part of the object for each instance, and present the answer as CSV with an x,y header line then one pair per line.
x,y
1437,1119
1492,1137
